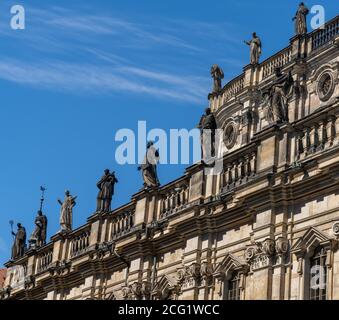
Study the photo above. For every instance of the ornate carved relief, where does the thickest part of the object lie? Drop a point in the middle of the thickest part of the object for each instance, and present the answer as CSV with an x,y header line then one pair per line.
x,y
260,254
231,133
137,291
335,228
194,275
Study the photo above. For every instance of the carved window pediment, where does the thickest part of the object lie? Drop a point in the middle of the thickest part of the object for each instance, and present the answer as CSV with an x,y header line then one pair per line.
x,y
312,239
230,264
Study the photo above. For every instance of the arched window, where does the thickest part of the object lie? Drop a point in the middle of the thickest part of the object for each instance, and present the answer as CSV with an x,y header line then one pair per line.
x,y
234,290
318,275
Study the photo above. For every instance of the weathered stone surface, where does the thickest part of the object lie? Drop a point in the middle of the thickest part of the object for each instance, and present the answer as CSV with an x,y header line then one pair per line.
x,y
258,224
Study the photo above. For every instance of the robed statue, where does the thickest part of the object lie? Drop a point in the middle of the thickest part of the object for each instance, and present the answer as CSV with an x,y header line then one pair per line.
x,y
38,237
19,245
207,126
277,97
217,74
66,211
149,166
301,19
255,49
106,191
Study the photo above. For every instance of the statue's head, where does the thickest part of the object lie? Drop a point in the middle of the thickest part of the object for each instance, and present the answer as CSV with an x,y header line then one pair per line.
x,y
67,193
39,213
254,34
150,144
214,68
301,4
19,225
208,111
106,172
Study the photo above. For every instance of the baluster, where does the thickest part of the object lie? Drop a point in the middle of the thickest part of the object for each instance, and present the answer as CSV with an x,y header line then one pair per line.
x,y
247,168
182,196
321,135
330,130
228,176
253,164
306,141
313,138
242,169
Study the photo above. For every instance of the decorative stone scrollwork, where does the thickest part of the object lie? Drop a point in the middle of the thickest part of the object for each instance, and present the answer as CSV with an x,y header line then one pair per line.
x,y
250,253
261,254
268,247
126,293
206,269
206,272
146,290
335,228
281,246
189,275
137,291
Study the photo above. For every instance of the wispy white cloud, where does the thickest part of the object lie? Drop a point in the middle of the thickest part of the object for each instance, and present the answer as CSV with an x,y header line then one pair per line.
x,y
90,52
95,80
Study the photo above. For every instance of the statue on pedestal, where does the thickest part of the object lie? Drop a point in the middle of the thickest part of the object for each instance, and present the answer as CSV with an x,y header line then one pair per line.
x,y
149,166
18,248
207,126
38,237
277,97
255,49
106,187
66,212
301,19
217,75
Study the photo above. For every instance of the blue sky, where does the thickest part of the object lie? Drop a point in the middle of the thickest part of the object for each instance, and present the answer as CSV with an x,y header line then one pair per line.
x,y
81,70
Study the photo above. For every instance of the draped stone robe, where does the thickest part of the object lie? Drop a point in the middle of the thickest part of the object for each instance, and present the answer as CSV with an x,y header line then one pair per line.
x,y
300,20
18,248
66,213
149,168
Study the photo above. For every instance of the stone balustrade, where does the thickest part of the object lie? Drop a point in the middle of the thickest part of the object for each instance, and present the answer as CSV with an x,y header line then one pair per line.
x,y
278,60
316,137
238,172
80,243
233,88
122,224
323,36
175,199
44,260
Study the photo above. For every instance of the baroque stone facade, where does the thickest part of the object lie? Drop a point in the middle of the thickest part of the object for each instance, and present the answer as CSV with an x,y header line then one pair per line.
x,y
255,231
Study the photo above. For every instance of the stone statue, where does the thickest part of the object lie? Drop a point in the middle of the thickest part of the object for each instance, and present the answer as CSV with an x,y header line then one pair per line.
x,y
255,48
207,126
38,237
301,19
149,167
217,75
19,245
106,191
66,212
277,97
